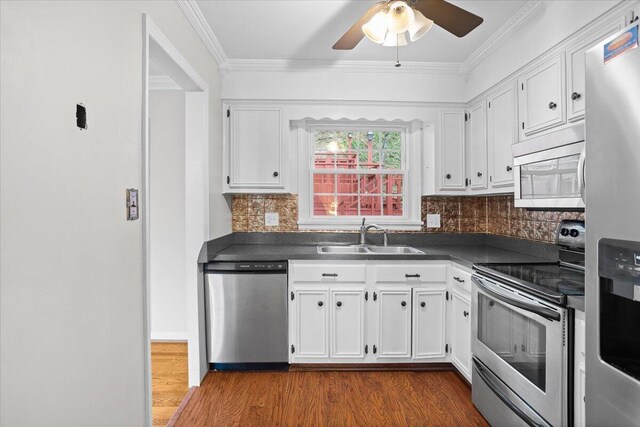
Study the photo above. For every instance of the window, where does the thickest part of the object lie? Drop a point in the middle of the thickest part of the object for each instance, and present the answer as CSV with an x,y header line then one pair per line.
x,y
357,172
359,169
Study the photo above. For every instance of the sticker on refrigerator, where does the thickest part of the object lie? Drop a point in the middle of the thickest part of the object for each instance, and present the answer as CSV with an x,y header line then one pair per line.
x,y
621,44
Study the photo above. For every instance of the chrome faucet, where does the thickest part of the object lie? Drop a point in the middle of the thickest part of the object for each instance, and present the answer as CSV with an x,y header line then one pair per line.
x,y
364,229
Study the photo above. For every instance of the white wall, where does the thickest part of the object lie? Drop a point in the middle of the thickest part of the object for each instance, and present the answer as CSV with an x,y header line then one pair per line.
x,y
71,290
167,215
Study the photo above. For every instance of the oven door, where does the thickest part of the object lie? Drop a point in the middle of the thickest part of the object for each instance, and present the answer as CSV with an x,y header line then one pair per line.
x,y
522,341
552,178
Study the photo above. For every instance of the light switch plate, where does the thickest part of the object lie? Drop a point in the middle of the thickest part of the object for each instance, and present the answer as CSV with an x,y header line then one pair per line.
x,y
433,221
271,219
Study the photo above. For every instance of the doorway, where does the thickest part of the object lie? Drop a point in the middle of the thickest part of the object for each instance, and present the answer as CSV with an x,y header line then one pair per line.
x,y
174,210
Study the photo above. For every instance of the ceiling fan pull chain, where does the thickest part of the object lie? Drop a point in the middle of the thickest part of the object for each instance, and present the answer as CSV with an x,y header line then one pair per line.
x,y
398,51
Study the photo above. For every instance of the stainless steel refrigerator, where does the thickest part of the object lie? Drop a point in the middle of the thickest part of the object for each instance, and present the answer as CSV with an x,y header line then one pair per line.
x,y
612,192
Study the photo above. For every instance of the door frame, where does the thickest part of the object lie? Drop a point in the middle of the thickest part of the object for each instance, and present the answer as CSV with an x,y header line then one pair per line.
x,y
157,45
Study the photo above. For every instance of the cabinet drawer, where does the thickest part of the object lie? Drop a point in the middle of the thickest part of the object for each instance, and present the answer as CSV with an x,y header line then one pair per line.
x,y
330,272
411,272
460,279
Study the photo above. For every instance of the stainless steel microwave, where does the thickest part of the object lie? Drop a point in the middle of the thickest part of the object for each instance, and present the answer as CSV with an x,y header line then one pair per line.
x,y
549,170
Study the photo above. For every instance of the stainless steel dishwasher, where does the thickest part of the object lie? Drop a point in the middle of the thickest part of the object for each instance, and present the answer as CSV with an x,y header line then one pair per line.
x,y
246,314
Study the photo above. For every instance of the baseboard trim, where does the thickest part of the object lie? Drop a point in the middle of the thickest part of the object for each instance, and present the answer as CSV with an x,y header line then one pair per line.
x,y
444,366
174,418
169,336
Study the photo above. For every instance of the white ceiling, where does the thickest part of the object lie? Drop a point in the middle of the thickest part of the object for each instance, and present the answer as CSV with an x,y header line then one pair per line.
x,y
306,30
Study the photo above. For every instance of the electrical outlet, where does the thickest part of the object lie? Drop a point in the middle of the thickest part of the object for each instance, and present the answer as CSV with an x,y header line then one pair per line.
x,y
433,221
271,219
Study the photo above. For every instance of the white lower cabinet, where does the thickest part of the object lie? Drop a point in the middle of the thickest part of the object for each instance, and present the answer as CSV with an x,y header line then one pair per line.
x,y
341,312
429,319
393,309
347,323
460,346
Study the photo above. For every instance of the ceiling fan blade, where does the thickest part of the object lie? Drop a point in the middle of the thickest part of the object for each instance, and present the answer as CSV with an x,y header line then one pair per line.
x,y
455,20
353,36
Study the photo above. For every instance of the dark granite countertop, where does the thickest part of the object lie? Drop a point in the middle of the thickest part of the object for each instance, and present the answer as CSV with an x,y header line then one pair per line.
x,y
465,249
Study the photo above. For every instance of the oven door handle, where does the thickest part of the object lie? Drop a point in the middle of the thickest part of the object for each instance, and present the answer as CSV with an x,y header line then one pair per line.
x,y
533,308
502,392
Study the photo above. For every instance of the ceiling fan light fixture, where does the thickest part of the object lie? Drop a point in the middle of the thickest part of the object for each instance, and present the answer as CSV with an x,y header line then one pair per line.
x,y
419,26
395,39
399,17
376,28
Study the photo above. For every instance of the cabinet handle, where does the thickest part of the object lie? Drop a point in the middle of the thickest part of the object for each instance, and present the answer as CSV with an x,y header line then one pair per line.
x,y
320,303
448,176
575,96
329,275
552,105
375,349
479,174
459,280
509,168
403,303
465,313
423,304
275,174
339,303
412,275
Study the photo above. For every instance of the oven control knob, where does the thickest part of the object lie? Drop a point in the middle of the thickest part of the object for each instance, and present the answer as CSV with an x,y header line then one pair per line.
x,y
574,233
564,232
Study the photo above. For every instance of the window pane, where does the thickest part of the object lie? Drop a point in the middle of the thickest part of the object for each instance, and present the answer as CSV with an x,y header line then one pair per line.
x,y
323,160
370,184
392,206
370,205
324,205
347,205
392,184
347,183
391,160
347,160
324,183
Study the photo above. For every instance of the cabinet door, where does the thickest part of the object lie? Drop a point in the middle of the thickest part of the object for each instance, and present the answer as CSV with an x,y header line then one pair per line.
x,y
541,98
477,146
501,134
255,148
393,322
347,323
576,71
461,333
452,150
429,322
311,324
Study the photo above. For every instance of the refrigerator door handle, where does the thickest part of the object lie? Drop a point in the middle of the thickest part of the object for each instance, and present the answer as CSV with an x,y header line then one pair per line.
x,y
582,164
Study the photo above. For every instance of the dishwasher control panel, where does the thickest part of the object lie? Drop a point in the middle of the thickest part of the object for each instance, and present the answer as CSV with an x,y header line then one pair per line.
x,y
246,266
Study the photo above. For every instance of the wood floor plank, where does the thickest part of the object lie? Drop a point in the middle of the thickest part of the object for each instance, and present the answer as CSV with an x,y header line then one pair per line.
x,y
307,398
169,379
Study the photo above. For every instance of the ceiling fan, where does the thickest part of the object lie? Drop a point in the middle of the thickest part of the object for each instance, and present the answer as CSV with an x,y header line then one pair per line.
x,y
387,21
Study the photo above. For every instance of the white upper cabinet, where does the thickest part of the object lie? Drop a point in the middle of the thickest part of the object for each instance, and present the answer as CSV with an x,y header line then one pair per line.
x,y
452,173
501,135
541,97
476,146
576,70
254,150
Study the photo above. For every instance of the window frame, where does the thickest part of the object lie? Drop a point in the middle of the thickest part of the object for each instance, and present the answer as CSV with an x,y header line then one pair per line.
x,y
410,134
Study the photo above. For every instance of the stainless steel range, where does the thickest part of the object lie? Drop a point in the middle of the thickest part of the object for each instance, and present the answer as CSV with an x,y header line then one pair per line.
x,y
522,335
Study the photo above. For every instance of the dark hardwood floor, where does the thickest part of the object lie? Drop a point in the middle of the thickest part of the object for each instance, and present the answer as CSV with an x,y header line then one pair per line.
x,y
303,398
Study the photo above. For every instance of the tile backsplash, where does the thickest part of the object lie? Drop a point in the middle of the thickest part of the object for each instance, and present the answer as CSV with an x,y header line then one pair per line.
x,y
486,214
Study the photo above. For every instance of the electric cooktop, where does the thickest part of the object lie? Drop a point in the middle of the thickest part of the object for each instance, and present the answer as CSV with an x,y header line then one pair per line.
x,y
552,281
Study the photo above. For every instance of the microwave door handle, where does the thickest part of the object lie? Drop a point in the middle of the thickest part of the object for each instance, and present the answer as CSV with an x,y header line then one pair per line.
x,y
582,163
533,308
502,393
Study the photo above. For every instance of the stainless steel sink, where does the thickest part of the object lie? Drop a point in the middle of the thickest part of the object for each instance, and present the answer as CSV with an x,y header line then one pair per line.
x,y
368,250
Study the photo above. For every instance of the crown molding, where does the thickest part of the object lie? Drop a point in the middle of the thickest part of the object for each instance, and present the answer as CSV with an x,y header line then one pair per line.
x,y
530,10
163,83
282,65
199,23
